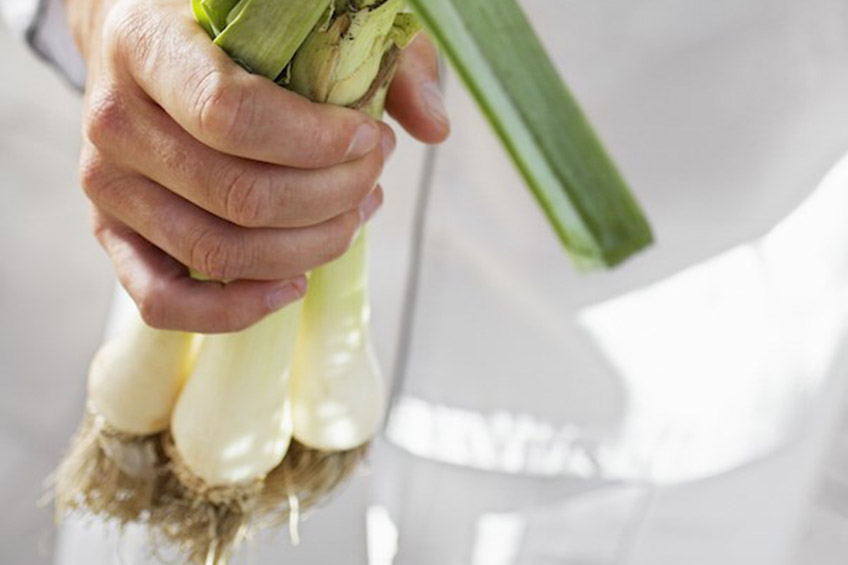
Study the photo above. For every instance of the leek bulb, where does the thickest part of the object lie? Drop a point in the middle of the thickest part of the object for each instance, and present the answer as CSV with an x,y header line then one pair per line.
x,y
135,378
113,465
232,424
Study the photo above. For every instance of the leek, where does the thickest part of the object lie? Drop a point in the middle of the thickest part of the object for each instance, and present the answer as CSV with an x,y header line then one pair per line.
x,y
232,423
113,463
502,62
232,455
136,378
337,390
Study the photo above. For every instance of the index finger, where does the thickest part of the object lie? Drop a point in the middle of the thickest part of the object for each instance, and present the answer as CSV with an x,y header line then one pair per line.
x,y
237,113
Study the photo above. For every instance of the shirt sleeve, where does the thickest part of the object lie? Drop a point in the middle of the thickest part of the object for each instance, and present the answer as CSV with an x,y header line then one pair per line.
x,y
42,24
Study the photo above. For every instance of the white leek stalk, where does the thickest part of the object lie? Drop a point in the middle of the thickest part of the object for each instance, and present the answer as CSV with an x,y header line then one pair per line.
x,y
337,391
136,377
232,423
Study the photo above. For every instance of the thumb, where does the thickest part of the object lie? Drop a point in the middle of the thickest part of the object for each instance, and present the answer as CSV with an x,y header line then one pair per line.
x,y
415,99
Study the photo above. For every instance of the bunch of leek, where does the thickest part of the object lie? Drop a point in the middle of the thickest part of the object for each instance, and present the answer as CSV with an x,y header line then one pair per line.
x,y
256,425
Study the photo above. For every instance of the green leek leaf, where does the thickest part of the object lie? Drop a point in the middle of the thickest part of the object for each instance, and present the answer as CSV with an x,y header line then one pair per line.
x,y
263,35
495,51
202,17
217,11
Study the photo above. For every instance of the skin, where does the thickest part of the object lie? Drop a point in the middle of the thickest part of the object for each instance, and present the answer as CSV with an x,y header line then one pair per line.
x,y
192,163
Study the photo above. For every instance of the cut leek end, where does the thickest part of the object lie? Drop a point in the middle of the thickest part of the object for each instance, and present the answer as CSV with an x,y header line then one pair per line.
x,y
598,222
631,247
612,252
519,90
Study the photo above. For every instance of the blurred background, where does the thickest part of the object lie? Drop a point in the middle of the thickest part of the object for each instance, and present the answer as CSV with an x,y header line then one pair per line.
x,y
55,290
789,506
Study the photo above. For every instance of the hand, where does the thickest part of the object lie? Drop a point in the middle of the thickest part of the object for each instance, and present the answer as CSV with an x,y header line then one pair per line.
x,y
192,163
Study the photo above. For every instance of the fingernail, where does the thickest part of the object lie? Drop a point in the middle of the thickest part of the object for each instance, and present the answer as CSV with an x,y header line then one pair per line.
x,y
388,143
432,96
370,205
287,293
365,139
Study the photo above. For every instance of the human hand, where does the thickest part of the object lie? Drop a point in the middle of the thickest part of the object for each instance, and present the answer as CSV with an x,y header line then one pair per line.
x,y
192,163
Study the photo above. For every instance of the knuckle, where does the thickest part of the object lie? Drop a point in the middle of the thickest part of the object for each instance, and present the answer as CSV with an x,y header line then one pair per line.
x,y
107,118
94,176
102,229
345,228
130,30
247,199
323,140
213,255
358,181
99,226
152,309
369,175
328,143
222,106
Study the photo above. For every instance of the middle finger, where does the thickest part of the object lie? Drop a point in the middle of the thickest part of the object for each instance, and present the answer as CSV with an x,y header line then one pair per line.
x,y
244,192
220,249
